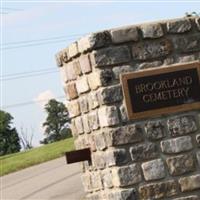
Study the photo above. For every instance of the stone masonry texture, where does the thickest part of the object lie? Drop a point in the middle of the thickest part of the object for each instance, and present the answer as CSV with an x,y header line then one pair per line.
x,y
149,169
142,159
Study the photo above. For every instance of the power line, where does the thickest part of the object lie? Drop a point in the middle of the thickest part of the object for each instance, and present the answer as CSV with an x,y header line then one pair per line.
x,y
27,76
42,39
13,9
38,44
27,72
29,102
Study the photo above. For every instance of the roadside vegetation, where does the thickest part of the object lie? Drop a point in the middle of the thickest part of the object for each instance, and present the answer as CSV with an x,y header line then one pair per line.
x,y
57,122
9,138
58,140
17,161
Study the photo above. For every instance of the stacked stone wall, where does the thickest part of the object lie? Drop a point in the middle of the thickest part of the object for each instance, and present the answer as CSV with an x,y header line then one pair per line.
x,y
152,158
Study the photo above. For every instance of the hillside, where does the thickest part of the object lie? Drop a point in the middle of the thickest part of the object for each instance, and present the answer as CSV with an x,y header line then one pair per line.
x,y
14,162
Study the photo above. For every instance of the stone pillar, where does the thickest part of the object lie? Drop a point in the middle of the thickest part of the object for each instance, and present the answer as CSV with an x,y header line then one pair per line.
x,y
150,158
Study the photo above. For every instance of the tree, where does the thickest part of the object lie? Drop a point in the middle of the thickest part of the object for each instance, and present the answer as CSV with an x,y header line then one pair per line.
x,y
9,139
56,124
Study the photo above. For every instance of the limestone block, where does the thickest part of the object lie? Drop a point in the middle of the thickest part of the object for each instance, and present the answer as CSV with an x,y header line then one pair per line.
x,y
147,65
183,59
155,130
110,94
94,80
99,160
93,120
108,116
100,39
77,67
179,26
106,77
96,181
86,180
126,175
122,69
151,49
151,30
181,164
90,138
176,145
82,142
190,183
124,135
69,70
85,64
84,44
93,196
94,41
59,59
65,55
106,176
86,126
83,101
98,78
187,44
100,141
79,125
73,108
141,152
182,125
71,91
122,194
73,50
82,85
158,190
93,100
124,34
153,169
110,56
116,157
197,20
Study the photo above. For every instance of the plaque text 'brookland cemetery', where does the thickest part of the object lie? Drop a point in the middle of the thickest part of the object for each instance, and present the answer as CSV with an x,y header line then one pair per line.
x,y
162,90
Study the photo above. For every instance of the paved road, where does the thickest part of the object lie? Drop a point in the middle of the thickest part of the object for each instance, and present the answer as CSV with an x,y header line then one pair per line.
x,y
51,180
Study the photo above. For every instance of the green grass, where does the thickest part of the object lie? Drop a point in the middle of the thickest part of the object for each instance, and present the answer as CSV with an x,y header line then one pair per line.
x,y
14,162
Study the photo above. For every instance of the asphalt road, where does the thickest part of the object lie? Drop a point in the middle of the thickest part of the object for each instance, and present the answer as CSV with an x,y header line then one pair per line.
x,y
51,180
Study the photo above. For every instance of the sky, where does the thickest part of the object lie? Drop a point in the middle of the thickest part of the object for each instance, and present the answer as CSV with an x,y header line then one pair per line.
x,y
32,32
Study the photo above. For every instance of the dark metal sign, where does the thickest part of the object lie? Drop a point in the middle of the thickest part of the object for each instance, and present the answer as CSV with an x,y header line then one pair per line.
x,y
162,90
78,156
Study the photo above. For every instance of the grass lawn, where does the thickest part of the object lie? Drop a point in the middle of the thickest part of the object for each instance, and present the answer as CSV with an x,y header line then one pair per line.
x,y
14,162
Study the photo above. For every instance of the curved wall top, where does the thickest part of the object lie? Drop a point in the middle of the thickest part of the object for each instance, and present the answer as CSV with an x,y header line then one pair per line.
x,y
154,157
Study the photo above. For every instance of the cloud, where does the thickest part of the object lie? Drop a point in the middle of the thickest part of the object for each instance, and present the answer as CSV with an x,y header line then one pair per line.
x,y
44,97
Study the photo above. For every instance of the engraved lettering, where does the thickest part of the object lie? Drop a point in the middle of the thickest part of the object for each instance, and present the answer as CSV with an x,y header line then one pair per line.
x,y
162,88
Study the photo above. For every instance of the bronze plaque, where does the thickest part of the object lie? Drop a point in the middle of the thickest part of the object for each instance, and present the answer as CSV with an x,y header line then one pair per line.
x,y
163,90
